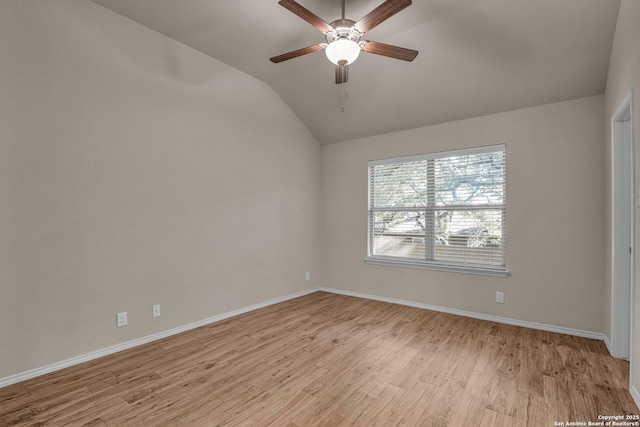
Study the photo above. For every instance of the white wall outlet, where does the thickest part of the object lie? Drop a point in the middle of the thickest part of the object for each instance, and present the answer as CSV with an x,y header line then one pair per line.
x,y
121,319
307,276
500,297
156,310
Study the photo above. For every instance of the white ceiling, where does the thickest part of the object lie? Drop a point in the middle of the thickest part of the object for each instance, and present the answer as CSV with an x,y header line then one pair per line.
x,y
477,57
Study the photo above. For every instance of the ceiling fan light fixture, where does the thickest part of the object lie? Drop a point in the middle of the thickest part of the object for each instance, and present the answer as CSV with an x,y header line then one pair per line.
x,y
342,50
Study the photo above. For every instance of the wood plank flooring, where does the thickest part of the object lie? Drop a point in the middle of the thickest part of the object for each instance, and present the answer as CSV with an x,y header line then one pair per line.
x,y
332,360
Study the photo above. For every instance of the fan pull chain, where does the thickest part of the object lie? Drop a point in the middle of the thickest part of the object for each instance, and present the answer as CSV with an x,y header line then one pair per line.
x,y
344,96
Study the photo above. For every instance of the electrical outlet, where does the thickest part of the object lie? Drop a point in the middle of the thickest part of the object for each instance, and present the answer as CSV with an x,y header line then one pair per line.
x,y
156,310
307,276
121,319
500,297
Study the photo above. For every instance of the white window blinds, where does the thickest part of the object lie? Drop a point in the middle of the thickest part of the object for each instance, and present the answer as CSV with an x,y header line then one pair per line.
x,y
442,209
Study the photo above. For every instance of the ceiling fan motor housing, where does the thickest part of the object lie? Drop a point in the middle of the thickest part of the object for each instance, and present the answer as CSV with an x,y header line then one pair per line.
x,y
343,29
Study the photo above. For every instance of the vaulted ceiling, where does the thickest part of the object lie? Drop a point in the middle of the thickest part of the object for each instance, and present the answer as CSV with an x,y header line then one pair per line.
x,y
477,57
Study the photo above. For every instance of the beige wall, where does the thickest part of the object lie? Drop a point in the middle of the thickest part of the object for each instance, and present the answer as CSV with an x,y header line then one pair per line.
x,y
555,216
136,171
624,74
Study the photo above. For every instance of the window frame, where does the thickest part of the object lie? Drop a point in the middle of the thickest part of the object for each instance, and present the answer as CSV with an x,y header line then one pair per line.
x,y
432,264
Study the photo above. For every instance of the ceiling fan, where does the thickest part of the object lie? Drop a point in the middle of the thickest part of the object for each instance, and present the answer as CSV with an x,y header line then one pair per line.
x,y
344,36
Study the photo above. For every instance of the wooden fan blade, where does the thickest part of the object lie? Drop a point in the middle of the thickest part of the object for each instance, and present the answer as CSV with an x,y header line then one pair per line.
x,y
342,73
381,13
307,15
296,53
390,51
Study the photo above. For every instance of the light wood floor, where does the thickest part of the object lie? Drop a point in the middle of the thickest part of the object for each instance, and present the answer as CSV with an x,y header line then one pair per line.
x,y
332,360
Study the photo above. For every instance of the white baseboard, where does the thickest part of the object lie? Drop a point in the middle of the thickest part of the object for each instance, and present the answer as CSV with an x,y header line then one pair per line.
x,y
144,340
22,376
608,344
506,320
635,395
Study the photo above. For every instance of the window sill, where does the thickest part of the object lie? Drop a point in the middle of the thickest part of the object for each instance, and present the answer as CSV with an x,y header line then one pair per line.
x,y
483,271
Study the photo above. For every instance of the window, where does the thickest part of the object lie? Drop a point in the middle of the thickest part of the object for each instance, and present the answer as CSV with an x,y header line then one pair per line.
x,y
443,211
